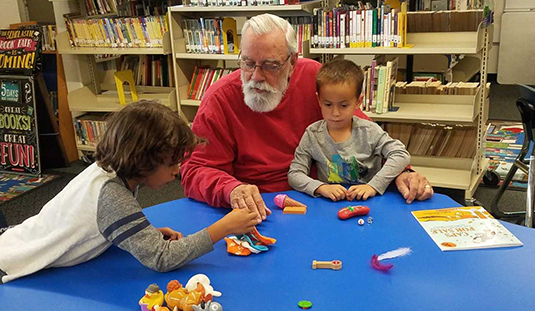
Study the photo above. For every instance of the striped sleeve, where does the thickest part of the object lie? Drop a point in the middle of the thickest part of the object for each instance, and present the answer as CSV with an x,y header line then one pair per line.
x,y
122,222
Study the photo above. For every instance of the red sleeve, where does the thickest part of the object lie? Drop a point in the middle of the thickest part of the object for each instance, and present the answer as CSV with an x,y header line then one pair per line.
x,y
362,115
207,173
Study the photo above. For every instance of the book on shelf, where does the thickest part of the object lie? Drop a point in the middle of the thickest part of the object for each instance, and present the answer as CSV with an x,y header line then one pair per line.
x,y
202,79
454,141
434,87
124,32
89,128
150,70
465,228
242,3
359,27
379,85
48,34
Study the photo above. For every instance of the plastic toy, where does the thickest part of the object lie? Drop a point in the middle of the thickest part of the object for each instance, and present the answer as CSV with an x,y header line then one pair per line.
x,y
178,296
153,297
298,210
205,281
208,306
245,244
283,201
376,260
361,222
370,220
335,264
352,211
304,304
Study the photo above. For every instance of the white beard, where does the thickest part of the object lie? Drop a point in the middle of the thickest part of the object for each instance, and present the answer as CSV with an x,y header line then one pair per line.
x,y
266,101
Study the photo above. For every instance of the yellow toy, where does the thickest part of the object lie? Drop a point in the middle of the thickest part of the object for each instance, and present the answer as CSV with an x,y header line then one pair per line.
x,y
153,297
120,78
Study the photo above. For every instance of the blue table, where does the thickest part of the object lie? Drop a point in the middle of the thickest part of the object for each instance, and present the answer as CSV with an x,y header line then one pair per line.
x,y
428,279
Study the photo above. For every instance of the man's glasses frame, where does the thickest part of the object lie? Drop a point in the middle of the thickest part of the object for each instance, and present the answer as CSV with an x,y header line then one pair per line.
x,y
266,67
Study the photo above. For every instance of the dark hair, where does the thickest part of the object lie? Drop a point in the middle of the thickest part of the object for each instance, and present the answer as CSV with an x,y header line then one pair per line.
x,y
340,71
141,136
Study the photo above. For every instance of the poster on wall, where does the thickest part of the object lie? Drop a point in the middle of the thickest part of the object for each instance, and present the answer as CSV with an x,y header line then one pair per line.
x,y
19,144
19,51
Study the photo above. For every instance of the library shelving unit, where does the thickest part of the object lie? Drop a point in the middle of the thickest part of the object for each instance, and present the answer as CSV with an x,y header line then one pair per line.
x,y
185,63
468,110
100,95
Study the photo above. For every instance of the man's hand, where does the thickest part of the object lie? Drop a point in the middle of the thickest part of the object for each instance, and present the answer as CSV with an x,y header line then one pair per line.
x,y
412,186
333,192
248,196
170,234
361,192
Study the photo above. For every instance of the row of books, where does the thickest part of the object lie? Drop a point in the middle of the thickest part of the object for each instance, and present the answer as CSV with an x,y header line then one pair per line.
x,y
378,86
96,7
117,32
302,26
436,5
203,78
144,7
89,128
48,33
444,21
150,70
349,27
204,35
431,87
435,140
240,2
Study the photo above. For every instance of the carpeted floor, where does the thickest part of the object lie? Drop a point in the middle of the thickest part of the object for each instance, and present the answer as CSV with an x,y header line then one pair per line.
x,y
502,99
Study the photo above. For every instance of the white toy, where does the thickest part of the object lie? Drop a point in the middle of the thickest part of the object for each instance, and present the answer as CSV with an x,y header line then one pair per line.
x,y
205,281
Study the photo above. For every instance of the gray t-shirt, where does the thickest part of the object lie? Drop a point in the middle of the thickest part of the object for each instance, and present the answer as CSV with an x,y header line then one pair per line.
x,y
122,222
357,160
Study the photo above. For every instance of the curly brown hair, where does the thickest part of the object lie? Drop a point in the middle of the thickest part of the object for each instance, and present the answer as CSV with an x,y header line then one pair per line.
x,y
141,137
340,71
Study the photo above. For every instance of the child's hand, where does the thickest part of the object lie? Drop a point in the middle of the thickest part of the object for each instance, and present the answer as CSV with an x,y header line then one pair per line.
x,y
240,221
170,234
361,192
333,192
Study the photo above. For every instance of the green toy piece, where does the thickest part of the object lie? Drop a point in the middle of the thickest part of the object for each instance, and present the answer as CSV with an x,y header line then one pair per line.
x,y
304,304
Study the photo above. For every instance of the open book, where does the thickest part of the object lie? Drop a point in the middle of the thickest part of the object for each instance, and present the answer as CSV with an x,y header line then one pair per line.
x,y
461,228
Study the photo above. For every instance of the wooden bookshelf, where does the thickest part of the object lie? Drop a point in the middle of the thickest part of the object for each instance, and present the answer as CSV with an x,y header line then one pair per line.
x,y
456,109
64,47
307,6
85,100
86,148
424,43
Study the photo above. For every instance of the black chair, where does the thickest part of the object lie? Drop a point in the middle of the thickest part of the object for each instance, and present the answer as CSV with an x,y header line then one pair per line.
x,y
526,105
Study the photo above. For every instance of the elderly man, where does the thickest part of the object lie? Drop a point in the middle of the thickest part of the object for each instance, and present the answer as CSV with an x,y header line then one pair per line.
x,y
253,120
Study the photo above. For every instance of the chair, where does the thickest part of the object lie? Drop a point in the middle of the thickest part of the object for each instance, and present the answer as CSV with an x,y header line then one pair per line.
x,y
526,105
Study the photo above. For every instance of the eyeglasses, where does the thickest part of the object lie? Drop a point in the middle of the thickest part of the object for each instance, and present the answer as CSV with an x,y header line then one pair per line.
x,y
266,67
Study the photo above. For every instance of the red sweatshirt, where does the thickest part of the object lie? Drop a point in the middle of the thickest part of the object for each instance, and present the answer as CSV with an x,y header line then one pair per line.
x,y
246,146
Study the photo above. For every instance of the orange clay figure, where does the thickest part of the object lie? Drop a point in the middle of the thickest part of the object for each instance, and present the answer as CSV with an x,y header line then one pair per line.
x,y
178,296
282,201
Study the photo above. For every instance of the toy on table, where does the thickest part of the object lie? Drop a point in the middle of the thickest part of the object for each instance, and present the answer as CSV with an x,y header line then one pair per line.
x,y
179,297
334,264
352,211
208,306
289,205
245,244
205,281
376,260
153,297
361,222
304,304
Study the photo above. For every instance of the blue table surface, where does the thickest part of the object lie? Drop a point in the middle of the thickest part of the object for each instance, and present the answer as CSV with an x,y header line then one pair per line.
x,y
428,279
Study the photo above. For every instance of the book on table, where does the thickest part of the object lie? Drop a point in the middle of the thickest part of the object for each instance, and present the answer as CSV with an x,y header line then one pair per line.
x,y
462,228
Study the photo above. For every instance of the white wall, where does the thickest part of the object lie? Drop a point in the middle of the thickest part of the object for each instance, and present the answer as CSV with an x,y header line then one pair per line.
x,y
9,13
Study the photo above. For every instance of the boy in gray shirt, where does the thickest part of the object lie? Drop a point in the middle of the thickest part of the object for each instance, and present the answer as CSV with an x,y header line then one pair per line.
x,y
346,149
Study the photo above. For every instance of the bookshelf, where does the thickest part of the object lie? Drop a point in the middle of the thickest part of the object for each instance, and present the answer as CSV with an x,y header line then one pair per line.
x,y
185,63
470,110
91,86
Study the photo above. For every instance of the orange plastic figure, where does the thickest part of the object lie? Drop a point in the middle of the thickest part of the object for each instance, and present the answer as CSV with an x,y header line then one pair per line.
x,y
178,296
